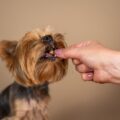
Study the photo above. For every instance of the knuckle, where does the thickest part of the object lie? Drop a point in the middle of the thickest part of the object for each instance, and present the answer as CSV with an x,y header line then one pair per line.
x,y
101,80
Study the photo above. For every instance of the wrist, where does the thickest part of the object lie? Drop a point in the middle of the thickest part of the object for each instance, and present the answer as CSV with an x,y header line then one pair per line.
x,y
112,66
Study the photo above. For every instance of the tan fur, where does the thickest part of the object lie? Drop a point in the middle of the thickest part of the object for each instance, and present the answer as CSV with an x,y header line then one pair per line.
x,y
22,60
32,110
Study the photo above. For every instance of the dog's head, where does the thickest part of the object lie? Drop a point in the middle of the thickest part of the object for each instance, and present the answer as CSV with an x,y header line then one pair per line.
x,y
32,60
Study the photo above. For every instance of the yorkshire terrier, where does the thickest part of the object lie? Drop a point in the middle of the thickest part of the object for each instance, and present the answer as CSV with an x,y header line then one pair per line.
x,y
34,65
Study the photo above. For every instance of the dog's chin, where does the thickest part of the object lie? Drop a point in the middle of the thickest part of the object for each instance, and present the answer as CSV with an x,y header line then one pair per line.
x,y
49,71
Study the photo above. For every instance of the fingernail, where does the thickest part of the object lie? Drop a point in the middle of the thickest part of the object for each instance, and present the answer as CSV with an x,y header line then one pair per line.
x,y
90,75
58,52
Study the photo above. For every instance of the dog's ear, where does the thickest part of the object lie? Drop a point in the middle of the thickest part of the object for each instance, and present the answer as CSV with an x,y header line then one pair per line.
x,y
7,51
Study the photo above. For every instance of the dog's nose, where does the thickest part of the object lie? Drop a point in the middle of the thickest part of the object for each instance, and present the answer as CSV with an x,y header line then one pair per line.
x,y
47,39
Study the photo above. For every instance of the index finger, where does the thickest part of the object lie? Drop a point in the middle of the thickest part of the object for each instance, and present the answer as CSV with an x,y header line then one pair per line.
x,y
70,52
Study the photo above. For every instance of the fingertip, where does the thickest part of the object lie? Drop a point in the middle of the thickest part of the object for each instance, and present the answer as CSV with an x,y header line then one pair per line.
x,y
59,53
76,61
87,76
69,52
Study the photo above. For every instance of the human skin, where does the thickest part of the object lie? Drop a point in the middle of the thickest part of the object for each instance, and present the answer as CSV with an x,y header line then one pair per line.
x,y
93,61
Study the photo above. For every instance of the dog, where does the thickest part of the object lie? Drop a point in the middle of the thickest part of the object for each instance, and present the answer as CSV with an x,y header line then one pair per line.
x,y
33,65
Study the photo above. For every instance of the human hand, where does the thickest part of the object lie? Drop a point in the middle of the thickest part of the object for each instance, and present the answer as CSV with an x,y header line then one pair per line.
x,y
94,61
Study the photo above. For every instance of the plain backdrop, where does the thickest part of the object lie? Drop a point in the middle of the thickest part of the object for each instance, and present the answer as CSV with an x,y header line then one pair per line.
x,y
71,98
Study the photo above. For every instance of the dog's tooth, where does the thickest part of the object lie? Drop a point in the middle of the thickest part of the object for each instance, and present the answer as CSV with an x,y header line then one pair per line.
x,y
52,52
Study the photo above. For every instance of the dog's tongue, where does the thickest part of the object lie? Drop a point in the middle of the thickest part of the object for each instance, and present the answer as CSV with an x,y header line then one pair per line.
x,y
50,55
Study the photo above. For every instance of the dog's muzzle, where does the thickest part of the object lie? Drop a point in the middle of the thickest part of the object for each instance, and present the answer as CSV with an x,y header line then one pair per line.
x,y
50,48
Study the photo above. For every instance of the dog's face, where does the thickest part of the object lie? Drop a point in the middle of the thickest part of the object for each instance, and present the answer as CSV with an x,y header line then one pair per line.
x,y
32,60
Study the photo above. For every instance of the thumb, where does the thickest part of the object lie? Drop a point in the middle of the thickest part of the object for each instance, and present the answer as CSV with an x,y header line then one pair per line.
x,y
70,52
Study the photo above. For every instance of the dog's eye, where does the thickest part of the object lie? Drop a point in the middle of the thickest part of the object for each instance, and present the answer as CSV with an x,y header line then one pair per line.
x,y
47,39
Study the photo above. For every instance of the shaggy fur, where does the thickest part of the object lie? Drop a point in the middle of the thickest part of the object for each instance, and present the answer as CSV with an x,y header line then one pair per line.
x,y
33,65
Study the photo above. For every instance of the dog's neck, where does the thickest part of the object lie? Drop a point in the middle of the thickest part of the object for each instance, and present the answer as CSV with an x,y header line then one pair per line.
x,y
28,102
28,98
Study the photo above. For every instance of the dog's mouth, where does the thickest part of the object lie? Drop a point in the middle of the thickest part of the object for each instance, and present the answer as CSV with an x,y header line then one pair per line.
x,y
51,46
49,53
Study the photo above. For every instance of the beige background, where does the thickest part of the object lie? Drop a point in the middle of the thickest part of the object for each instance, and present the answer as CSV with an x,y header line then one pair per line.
x,y
72,99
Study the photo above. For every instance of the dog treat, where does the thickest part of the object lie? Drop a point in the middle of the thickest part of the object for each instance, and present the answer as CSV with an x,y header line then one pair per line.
x,y
52,52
